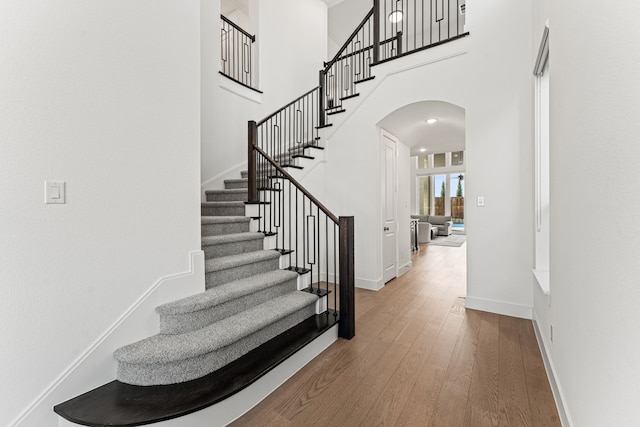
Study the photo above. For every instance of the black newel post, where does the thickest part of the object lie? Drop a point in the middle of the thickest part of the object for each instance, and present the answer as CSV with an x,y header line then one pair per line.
x,y
253,140
347,326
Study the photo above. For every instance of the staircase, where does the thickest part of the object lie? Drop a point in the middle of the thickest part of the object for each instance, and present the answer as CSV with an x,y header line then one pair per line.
x,y
279,266
248,300
234,329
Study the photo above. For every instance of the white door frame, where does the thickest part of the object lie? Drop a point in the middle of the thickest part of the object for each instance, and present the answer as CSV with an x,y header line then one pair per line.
x,y
386,135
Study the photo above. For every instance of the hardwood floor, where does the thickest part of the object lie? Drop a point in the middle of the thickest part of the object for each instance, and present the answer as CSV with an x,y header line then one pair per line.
x,y
420,358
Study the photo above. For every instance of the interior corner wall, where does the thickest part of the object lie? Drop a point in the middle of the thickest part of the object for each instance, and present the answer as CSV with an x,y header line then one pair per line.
x,y
104,96
403,205
594,157
499,158
291,45
489,75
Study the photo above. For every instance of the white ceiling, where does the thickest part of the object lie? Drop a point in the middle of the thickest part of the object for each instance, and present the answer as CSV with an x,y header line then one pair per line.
x,y
409,125
229,6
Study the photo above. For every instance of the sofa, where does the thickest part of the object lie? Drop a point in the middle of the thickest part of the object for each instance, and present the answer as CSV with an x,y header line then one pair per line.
x,y
439,224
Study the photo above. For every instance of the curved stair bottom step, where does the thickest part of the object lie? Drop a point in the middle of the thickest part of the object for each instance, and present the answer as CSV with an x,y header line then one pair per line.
x,y
147,374
214,400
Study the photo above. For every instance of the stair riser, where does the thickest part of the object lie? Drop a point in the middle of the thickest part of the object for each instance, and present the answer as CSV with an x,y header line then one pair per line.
x,y
235,185
233,248
180,323
185,370
227,228
228,197
222,211
216,278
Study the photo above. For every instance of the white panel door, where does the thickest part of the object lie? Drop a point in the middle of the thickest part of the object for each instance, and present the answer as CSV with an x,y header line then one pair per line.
x,y
390,226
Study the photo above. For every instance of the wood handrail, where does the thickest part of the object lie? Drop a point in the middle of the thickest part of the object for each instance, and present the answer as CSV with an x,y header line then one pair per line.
x,y
299,186
234,25
344,46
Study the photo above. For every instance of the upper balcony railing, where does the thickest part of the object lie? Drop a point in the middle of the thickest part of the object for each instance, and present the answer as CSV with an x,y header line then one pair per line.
x,y
418,24
392,28
236,53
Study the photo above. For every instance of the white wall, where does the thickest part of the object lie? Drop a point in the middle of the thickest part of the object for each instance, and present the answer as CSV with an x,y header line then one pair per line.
x,y
90,99
594,174
291,44
489,75
404,208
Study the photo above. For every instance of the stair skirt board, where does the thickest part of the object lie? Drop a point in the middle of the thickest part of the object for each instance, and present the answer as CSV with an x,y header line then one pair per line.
x,y
159,372
214,400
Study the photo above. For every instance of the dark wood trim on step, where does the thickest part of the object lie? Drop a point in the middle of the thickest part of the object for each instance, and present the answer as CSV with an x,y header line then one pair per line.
x,y
364,80
463,35
240,83
344,98
119,404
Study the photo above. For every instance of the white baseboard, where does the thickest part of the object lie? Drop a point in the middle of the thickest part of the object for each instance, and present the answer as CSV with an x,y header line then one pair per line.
x,y
405,268
372,285
234,407
96,366
556,389
499,307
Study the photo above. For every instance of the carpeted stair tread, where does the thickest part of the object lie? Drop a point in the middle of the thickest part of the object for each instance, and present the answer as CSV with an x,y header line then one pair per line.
x,y
226,292
236,183
231,261
170,348
227,191
232,203
231,238
200,310
219,225
234,194
223,219
224,208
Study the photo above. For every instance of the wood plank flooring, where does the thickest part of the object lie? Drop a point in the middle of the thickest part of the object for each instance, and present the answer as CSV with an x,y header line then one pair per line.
x,y
420,358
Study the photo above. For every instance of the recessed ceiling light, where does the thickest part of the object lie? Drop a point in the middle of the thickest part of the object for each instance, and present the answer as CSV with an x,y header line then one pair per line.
x,y
422,150
432,121
395,16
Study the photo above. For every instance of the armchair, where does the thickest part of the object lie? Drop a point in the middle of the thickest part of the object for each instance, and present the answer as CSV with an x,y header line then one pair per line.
x,y
429,225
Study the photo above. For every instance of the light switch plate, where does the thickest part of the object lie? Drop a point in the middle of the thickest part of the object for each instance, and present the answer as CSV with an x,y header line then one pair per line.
x,y
480,201
54,192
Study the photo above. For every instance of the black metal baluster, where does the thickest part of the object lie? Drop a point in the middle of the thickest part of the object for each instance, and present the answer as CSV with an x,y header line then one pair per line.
x,y
290,226
326,262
